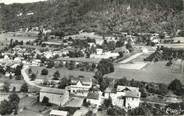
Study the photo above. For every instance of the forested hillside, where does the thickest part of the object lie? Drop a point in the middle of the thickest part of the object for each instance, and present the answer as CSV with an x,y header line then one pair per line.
x,y
103,16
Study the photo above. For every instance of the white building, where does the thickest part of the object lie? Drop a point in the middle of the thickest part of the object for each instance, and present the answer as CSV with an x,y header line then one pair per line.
x,y
105,55
125,97
36,62
58,113
56,96
80,86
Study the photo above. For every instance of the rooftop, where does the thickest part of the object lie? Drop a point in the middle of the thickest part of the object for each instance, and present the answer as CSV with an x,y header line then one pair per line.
x,y
52,42
129,91
53,91
93,95
90,60
84,81
58,113
178,39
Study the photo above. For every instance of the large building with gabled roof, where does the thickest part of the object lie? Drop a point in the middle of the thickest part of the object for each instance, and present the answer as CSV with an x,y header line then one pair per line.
x,y
80,86
56,96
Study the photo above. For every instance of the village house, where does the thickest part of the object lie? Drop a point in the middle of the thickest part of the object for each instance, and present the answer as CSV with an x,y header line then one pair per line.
x,y
94,98
56,96
105,55
80,86
52,43
124,96
79,60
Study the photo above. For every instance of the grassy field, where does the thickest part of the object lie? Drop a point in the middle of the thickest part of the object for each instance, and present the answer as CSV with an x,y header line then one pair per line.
x,y
63,73
152,72
156,72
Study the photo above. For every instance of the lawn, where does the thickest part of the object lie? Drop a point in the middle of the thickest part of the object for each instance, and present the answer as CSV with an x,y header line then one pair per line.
x,y
153,72
63,73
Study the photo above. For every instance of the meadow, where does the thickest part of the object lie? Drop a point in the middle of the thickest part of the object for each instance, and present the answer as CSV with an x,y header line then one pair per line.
x,y
156,72
63,73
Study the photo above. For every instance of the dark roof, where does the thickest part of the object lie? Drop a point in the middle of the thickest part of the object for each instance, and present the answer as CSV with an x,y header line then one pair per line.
x,y
93,95
131,94
129,91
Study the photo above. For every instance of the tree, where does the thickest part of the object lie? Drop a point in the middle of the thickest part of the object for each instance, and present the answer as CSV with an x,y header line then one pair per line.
x,y
50,64
123,81
108,102
18,70
105,66
56,75
5,107
176,87
44,72
138,111
104,83
24,88
30,71
129,46
116,111
89,113
63,83
98,76
45,101
32,77
163,89
6,86
18,77
14,100
85,103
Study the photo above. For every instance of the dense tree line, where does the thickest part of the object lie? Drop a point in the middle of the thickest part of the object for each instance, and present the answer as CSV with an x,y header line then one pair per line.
x,y
99,15
11,105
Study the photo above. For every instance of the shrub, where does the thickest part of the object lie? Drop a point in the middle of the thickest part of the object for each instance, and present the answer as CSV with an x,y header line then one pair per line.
x,y
44,72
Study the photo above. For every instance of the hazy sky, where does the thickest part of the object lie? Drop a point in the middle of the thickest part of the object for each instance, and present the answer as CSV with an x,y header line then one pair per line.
x,y
18,1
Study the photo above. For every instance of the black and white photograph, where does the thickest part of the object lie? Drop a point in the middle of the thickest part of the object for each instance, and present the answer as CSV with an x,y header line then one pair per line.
x,y
91,57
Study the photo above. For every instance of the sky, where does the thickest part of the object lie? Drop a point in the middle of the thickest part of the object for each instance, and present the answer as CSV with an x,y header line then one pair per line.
x,y
18,1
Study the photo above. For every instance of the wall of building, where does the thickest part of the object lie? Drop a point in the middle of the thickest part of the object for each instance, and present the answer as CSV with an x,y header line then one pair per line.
x,y
55,98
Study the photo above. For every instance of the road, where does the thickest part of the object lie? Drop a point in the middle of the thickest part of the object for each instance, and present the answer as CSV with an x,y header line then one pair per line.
x,y
131,58
27,79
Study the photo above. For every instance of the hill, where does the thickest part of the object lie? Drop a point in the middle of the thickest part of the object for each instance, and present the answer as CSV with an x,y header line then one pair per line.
x,y
103,16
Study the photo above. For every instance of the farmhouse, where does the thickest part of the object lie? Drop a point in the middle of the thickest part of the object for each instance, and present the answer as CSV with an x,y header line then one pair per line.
x,y
80,86
52,43
94,98
178,40
104,55
125,97
56,96
79,60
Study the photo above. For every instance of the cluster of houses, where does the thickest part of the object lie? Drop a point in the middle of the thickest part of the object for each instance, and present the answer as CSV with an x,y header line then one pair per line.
x,y
124,96
80,89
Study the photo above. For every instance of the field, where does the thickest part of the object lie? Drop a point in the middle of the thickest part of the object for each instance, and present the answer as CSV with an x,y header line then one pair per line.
x,y
63,73
151,72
